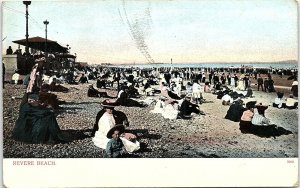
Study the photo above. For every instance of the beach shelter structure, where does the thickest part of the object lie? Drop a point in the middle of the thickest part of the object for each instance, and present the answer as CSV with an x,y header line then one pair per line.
x,y
39,43
66,56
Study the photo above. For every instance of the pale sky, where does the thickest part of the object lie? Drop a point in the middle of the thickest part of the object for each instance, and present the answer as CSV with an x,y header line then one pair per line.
x,y
143,31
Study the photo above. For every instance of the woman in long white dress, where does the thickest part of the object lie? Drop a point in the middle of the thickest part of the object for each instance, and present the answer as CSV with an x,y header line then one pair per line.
x,y
105,123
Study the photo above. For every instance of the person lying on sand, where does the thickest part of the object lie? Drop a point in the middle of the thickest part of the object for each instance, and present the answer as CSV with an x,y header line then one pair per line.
x,y
124,100
92,92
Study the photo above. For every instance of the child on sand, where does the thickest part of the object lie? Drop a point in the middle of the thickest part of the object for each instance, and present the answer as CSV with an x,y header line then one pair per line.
x,y
115,147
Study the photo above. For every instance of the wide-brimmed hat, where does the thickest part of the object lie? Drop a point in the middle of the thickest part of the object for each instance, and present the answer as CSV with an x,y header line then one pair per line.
x,y
118,127
279,94
295,83
108,104
250,104
261,108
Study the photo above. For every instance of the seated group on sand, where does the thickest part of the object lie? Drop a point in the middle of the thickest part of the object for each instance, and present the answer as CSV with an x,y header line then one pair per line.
x,y
37,123
252,119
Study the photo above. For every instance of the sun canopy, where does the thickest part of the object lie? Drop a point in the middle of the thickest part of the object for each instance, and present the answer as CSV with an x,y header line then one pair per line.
x,y
39,44
66,56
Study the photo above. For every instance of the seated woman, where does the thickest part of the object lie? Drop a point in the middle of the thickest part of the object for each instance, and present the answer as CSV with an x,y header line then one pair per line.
x,y
259,116
279,101
101,83
294,88
207,88
291,103
105,123
83,79
36,123
15,78
120,117
227,99
235,111
187,108
170,110
149,91
167,93
132,91
245,122
159,106
217,86
262,126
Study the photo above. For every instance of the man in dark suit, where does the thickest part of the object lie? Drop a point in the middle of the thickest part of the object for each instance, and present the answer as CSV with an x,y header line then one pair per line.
x,y
260,83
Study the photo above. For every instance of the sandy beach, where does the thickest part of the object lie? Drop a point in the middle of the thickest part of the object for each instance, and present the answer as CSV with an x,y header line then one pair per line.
x,y
208,136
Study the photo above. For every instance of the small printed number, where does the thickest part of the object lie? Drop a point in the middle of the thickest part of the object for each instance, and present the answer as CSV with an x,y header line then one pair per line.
x,y
290,161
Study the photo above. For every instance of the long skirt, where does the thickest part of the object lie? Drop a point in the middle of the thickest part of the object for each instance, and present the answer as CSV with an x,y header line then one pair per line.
x,y
245,126
36,125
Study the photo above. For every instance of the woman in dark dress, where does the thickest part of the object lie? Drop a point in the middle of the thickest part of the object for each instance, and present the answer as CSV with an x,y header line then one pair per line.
x,y
36,124
235,111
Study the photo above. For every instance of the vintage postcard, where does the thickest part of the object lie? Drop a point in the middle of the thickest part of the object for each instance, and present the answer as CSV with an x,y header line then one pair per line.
x,y
150,93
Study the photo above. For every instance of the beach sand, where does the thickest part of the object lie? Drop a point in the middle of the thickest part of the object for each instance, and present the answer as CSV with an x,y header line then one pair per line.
x,y
202,136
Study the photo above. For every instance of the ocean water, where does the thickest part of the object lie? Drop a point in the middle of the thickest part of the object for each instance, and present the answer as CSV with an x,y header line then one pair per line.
x,y
217,65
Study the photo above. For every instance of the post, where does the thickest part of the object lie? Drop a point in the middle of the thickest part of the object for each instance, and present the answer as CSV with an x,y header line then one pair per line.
x,y
27,48
46,54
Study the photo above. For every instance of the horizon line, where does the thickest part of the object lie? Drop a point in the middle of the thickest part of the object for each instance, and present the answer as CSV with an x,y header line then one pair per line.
x,y
217,62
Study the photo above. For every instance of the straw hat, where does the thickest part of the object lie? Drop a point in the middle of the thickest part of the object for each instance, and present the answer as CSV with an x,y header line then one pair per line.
x,y
108,104
295,83
279,95
118,127
251,104
261,108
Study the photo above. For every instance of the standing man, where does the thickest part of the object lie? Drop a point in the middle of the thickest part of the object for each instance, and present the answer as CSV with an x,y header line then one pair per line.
x,y
260,83
266,85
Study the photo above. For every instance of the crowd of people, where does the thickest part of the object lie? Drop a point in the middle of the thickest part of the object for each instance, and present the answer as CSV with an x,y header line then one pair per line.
x,y
178,94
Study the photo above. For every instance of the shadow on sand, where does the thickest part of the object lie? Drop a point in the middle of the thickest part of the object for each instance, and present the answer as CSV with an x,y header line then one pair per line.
x,y
70,135
268,131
